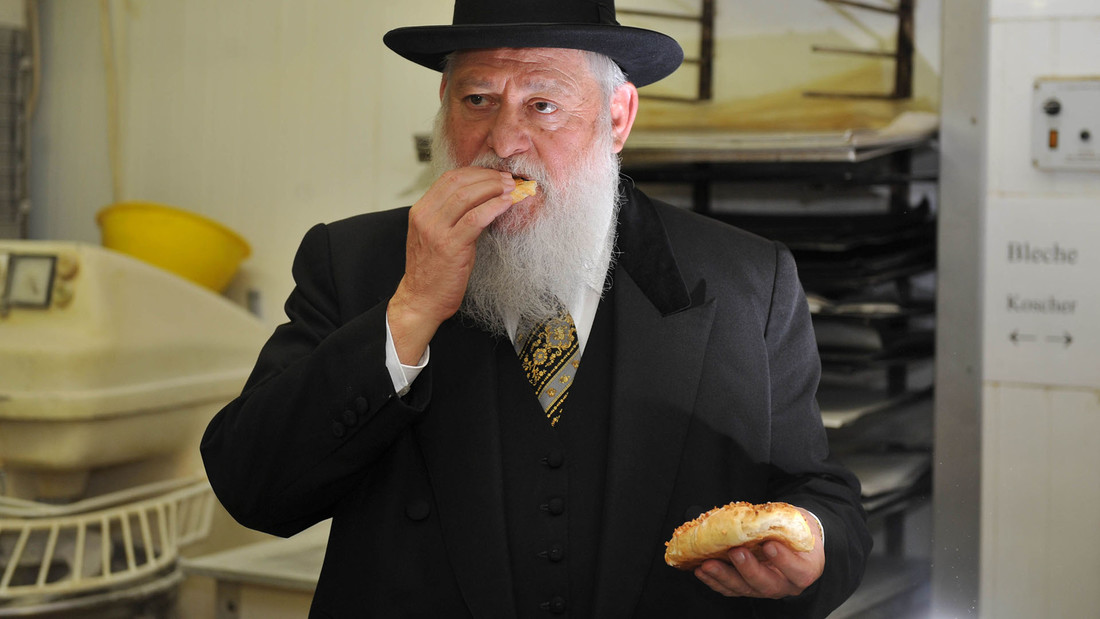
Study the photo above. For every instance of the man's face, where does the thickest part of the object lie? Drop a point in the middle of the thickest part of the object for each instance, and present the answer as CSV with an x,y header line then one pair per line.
x,y
539,106
540,114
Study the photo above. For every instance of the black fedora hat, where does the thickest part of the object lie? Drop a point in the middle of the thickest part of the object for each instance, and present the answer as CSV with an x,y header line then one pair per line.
x,y
644,55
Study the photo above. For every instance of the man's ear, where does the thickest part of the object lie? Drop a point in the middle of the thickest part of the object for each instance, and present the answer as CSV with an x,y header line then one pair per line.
x,y
442,87
624,107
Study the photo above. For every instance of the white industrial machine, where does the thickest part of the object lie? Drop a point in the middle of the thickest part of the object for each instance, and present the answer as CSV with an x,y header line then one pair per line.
x,y
110,369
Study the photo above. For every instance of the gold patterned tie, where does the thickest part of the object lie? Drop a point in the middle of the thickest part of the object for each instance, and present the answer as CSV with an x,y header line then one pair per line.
x,y
550,355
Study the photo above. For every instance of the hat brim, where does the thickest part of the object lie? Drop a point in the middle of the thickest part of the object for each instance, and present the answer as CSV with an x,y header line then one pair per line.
x,y
644,55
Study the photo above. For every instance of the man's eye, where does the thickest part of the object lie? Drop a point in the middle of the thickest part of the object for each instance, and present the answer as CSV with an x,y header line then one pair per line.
x,y
545,107
475,100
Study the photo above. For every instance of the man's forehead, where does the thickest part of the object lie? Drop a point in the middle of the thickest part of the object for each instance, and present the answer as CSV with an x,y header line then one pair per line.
x,y
538,63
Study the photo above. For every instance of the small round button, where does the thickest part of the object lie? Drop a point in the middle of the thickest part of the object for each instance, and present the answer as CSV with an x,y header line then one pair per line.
x,y
350,418
556,506
1052,107
557,605
554,459
338,429
361,405
556,553
418,509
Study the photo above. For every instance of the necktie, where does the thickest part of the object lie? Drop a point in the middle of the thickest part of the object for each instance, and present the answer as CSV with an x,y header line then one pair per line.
x,y
549,354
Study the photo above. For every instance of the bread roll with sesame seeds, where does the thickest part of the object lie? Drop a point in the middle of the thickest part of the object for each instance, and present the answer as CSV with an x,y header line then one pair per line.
x,y
711,535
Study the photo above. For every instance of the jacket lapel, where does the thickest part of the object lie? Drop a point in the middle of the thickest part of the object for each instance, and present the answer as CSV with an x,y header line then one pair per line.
x,y
460,441
661,334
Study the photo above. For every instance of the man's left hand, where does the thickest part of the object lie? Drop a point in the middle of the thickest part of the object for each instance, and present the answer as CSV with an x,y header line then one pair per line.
x,y
783,572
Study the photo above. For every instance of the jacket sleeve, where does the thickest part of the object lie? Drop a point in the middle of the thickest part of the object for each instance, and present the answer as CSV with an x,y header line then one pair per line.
x,y
317,410
803,474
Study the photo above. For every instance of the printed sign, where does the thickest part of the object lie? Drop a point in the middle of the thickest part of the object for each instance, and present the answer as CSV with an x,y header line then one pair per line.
x,y
1042,291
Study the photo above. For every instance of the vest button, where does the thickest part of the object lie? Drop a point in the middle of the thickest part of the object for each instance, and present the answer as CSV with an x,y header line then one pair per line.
x,y
361,405
418,509
555,506
557,605
556,554
554,459
338,429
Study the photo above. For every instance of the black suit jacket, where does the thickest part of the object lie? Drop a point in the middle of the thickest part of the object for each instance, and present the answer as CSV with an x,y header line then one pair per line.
x,y
714,377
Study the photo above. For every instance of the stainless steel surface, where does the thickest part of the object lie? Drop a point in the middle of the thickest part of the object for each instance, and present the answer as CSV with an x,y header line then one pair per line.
x,y
672,146
958,426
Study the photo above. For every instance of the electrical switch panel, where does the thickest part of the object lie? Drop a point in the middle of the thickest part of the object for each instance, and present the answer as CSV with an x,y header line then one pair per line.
x,y
1065,115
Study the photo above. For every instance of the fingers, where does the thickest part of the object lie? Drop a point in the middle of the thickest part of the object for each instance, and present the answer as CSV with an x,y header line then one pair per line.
x,y
800,568
781,573
468,199
445,223
444,226
745,576
723,579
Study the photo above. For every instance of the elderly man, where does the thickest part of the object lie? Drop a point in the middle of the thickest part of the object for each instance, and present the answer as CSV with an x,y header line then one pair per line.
x,y
408,397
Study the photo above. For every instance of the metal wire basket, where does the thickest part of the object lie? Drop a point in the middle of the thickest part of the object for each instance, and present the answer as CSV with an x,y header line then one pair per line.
x,y
47,551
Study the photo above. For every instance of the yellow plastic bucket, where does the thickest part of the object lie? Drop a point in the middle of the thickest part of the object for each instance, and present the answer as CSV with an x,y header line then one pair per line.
x,y
189,245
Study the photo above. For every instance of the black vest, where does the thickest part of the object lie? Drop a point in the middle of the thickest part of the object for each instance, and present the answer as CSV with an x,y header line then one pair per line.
x,y
554,479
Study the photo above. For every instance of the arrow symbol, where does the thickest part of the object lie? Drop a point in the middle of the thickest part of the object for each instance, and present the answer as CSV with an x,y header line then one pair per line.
x,y
1018,337
1065,338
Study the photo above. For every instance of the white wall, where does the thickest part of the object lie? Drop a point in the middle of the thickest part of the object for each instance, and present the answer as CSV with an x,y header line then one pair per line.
x,y
13,13
268,116
1041,403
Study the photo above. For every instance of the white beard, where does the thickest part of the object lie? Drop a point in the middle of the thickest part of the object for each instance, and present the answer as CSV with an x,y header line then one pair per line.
x,y
527,261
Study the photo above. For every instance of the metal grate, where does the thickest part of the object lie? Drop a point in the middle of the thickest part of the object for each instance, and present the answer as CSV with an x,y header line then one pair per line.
x,y
48,550
902,55
704,61
14,65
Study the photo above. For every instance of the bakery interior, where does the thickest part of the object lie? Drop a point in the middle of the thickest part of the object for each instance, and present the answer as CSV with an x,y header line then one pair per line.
x,y
934,166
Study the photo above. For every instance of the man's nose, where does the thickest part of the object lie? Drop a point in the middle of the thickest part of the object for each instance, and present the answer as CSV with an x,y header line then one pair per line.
x,y
509,134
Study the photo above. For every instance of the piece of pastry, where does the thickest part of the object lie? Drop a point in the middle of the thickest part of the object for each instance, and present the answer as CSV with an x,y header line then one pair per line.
x,y
711,535
524,189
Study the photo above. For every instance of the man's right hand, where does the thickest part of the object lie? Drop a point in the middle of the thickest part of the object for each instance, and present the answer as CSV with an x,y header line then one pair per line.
x,y
444,226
